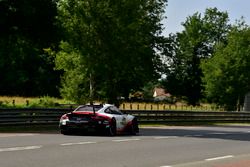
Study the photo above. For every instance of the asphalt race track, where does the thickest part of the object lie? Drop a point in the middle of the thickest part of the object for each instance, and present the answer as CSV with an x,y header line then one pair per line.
x,y
153,147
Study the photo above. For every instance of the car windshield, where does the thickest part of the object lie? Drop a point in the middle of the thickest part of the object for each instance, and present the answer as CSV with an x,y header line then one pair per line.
x,y
89,108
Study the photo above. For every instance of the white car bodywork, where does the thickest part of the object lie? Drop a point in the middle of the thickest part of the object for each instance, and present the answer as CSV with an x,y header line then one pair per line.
x,y
105,117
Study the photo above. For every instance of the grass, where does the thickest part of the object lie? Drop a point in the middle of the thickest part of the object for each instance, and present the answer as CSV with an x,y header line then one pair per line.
x,y
23,102
51,102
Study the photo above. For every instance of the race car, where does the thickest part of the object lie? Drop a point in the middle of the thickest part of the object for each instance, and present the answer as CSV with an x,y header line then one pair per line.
x,y
106,119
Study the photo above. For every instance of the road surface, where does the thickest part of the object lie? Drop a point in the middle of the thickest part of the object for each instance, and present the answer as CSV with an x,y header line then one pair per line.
x,y
210,146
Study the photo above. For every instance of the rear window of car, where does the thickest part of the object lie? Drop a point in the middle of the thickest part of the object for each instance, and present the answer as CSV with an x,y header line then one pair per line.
x,y
89,108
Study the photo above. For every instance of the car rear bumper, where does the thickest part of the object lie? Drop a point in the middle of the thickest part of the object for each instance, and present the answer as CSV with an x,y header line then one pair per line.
x,y
83,126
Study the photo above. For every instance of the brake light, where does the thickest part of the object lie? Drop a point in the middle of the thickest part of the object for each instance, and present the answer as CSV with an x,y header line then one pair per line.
x,y
64,117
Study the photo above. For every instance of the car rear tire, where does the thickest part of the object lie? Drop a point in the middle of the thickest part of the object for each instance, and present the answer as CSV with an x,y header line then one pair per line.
x,y
134,127
111,131
65,132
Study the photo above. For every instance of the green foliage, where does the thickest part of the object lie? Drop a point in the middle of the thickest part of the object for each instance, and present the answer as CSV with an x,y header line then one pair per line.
x,y
194,43
33,102
75,81
111,44
148,90
26,28
227,74
115,47
45,102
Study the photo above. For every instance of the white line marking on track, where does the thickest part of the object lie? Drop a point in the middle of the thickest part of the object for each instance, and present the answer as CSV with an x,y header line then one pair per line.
x,y
125,140
78,143
198,135
165,166
19,148
218,133
219,158
188,136
165,137
16,135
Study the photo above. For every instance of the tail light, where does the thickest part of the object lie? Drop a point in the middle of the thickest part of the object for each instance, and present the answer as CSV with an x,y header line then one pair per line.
x,y
65,117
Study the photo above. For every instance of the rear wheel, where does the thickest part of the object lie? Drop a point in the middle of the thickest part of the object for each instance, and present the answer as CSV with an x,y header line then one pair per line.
x,y
65,131
134,127
111,131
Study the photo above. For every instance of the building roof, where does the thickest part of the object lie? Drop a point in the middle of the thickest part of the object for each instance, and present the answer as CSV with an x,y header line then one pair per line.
x,y
160,92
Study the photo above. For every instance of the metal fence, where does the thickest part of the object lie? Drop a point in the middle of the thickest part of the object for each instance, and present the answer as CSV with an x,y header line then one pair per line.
x,y
178,116
30,116
52,116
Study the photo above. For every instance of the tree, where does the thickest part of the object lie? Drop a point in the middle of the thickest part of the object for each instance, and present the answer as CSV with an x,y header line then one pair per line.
x,y
115,43
26,29
226,74
194,43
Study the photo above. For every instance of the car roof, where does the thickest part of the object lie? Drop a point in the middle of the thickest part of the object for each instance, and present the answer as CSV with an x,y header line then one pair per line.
x,y
107,105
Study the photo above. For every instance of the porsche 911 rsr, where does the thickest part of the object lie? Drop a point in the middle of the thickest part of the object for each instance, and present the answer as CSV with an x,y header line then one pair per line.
x,y
98,118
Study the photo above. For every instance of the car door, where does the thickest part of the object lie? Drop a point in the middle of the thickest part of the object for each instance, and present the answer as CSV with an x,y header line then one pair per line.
x,y
120,118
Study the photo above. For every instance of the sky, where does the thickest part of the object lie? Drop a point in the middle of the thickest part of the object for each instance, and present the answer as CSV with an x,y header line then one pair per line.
x,y
178,10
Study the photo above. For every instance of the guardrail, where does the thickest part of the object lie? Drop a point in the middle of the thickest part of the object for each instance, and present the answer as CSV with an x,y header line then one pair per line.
x,y
173,116
31,116
52,116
